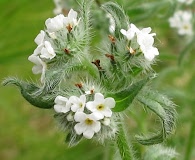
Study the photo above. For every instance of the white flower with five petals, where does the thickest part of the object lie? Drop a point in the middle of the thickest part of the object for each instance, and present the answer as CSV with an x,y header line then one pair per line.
x,y
101,106
62,104
88,124
77,104
182,20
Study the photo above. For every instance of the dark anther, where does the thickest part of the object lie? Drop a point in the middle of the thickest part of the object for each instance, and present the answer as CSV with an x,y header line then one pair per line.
x,y
67,51
112,38
69,28
79,85
110,56
97,63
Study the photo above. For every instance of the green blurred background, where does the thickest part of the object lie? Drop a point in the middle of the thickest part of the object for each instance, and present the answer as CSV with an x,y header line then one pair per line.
x,y
29,133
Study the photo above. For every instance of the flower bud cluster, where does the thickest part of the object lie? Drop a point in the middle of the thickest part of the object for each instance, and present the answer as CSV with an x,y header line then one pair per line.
x,y
87,117
187,2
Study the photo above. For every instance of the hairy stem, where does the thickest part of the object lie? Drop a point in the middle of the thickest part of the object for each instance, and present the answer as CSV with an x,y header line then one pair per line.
x,y
123,146
190,141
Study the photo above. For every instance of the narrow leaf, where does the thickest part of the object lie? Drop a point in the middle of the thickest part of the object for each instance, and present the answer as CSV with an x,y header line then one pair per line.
x,y
29,90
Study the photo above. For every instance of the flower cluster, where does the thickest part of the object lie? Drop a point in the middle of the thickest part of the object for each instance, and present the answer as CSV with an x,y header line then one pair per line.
x,y
87,117
47,48
182,21
187,2
144,39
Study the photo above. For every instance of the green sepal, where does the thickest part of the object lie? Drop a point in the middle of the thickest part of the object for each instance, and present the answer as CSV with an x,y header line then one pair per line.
x,y
29,90
125,97
164,109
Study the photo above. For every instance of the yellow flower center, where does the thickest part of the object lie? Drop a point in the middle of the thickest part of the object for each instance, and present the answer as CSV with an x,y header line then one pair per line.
x,y
89,121
81,105
100,107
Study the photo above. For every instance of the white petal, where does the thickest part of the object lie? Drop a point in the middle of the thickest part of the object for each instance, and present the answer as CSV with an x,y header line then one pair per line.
x,y
90,106
124,32
74,99
58,108
96,116
37,51
99,97
72,14
96,126
146,30
40,37
61,100
110,102
75,108
80,117
151,53
79,128
107,113
83,99
88,134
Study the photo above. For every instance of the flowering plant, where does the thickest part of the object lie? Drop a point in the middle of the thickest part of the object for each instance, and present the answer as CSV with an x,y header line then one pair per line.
x,y
90,90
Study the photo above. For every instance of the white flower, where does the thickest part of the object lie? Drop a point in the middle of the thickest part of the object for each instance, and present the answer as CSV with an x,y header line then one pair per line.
x,y
62,104
130,33
150,53
145,40
186,1
71,20
182,21
39,67
78,104
47,51
88,124
101,106
55,24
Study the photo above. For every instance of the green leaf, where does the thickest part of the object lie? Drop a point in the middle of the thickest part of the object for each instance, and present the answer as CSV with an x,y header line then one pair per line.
x,y
118,14
164,109
29,90
125,97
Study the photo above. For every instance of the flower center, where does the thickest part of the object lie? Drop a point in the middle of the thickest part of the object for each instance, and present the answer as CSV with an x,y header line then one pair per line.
x,y
100,107
89,121
186,27
69,27
80,105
